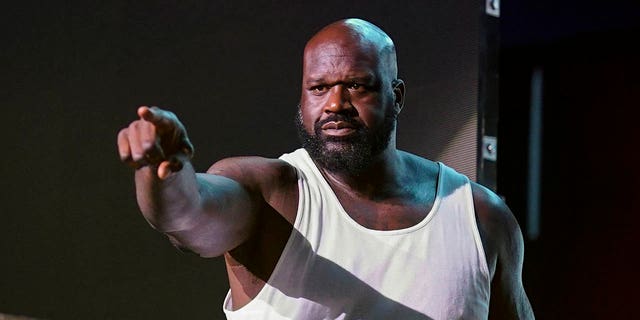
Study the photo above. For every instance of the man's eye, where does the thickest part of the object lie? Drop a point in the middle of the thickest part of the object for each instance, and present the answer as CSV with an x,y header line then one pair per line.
x,y
319,89
356,87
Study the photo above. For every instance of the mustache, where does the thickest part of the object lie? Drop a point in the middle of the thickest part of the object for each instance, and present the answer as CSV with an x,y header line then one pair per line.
x,y
338,117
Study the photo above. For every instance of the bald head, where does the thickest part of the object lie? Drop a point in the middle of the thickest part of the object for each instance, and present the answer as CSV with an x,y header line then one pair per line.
x,y
350,96
360,35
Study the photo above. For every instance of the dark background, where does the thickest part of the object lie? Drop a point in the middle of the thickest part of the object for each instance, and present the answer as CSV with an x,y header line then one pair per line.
x,y
584,263
73,245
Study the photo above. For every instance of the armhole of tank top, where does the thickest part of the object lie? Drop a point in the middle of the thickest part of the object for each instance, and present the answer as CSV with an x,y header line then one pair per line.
x,y
247,307
482,256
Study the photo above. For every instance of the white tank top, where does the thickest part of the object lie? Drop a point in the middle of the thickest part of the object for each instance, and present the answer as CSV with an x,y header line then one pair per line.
x,y
334,268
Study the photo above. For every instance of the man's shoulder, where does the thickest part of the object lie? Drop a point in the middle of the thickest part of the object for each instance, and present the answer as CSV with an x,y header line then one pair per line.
x,y
490,207
497,225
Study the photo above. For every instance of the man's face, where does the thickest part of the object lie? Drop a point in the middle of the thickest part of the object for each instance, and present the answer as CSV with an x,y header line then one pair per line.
x,y
347,113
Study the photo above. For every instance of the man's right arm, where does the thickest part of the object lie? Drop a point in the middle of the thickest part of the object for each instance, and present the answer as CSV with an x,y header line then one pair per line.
x,y
205,213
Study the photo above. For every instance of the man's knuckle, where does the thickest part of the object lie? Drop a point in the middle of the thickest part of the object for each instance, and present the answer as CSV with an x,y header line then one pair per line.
x,y
134,125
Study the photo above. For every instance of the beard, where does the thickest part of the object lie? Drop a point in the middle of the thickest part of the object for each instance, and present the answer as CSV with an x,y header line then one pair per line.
x,y
351,154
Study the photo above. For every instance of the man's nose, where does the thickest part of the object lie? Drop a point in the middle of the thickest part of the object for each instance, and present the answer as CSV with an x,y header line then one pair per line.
x,y
339,99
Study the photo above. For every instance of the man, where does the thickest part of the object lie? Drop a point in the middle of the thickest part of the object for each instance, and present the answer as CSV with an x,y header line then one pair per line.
x,y
348,227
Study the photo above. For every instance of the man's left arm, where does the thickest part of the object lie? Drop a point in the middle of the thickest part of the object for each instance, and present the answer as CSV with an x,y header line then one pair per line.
x,y
504,248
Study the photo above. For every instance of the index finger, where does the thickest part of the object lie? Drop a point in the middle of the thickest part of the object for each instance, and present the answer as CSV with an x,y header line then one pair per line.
x,y
154,115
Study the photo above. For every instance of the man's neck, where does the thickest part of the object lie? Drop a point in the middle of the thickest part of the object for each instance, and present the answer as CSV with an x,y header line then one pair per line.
x,y
381,180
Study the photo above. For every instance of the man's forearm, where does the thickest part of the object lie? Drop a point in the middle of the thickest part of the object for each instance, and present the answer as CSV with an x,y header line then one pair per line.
x,y
170,204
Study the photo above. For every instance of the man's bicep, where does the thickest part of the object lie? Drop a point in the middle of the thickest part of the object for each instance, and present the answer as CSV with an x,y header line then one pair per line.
x,y
233,193
508,298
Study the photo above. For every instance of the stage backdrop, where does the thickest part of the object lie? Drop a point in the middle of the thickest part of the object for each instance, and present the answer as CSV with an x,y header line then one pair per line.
x,y
73,243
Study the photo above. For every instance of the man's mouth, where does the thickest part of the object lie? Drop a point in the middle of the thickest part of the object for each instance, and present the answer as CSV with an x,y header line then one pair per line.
x,y
338,128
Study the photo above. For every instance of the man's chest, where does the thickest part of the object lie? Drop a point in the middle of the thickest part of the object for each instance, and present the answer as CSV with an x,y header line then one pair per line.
x,y
390,214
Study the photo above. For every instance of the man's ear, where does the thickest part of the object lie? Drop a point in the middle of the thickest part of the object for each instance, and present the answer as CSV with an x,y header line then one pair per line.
x,y
399,93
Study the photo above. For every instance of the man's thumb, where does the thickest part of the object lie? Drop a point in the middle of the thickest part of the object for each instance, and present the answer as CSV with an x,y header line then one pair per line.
x,y
167,167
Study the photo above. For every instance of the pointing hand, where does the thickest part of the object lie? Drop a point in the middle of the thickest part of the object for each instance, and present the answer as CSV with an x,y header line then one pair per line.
x,y
157,139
